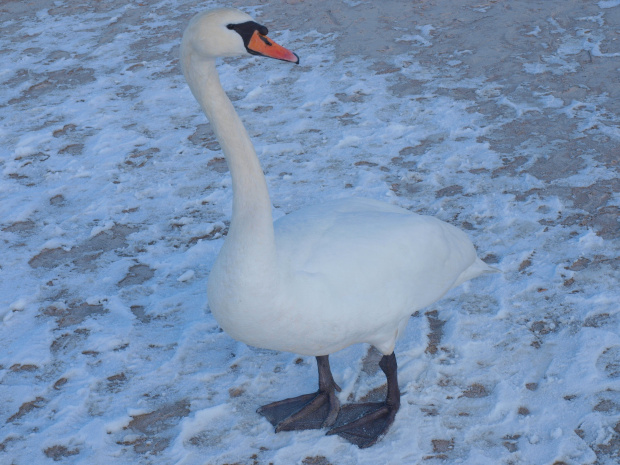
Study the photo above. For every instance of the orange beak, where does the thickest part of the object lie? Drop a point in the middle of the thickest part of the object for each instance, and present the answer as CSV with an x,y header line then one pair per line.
x,y
263,45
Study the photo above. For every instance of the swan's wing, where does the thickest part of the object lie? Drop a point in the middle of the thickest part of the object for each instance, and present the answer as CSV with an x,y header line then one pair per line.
x,y
357,269
315,234
355,244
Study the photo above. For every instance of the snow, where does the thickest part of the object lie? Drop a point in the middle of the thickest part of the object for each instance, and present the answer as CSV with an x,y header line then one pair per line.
x,y
609,3
115,201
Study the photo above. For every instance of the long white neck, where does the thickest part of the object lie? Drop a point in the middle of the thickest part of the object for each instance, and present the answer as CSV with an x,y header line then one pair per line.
x,y
250,242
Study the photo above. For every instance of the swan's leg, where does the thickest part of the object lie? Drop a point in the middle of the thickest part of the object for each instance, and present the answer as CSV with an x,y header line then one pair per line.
x,y
310,411
364,424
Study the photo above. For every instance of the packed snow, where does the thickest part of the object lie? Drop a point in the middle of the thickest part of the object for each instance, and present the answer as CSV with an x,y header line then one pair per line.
x,y
115,200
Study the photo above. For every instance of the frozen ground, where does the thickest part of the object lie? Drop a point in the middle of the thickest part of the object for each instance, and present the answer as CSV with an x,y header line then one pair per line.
x,y
500,117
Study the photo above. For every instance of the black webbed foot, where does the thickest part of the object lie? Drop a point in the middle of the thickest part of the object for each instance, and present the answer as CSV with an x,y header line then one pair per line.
x,y
364,424
310,411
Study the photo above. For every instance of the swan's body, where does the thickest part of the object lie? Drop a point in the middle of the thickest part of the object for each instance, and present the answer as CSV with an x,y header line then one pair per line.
x,y
324,277
347,271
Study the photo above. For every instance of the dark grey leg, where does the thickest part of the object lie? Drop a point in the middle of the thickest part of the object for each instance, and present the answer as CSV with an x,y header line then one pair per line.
x,y
310,411
364,424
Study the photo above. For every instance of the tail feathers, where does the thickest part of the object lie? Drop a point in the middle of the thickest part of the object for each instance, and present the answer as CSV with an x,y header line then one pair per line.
x,y
474,270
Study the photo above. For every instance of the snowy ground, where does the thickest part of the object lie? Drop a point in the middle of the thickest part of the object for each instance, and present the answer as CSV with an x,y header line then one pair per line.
x,y
502,118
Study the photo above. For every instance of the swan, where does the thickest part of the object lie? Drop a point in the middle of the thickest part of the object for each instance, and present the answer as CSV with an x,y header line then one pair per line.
x,y
324,277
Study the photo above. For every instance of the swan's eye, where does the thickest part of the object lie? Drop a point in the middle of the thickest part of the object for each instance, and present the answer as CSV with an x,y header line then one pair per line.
x,y
246,30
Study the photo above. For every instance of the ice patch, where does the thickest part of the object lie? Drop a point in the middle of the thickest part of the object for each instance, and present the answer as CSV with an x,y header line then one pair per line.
x,y
416,38
534,32
519,109
189,274
99,229
349,141
609,3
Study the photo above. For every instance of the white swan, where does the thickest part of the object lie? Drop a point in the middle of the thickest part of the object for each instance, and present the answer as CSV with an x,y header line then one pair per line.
x,y
322,278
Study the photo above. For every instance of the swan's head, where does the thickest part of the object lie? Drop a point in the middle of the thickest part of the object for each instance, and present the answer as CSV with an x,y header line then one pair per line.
x,y
227,32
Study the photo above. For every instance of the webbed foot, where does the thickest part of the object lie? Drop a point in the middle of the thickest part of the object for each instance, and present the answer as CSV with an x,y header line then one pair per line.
x,y
364,424
310,411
